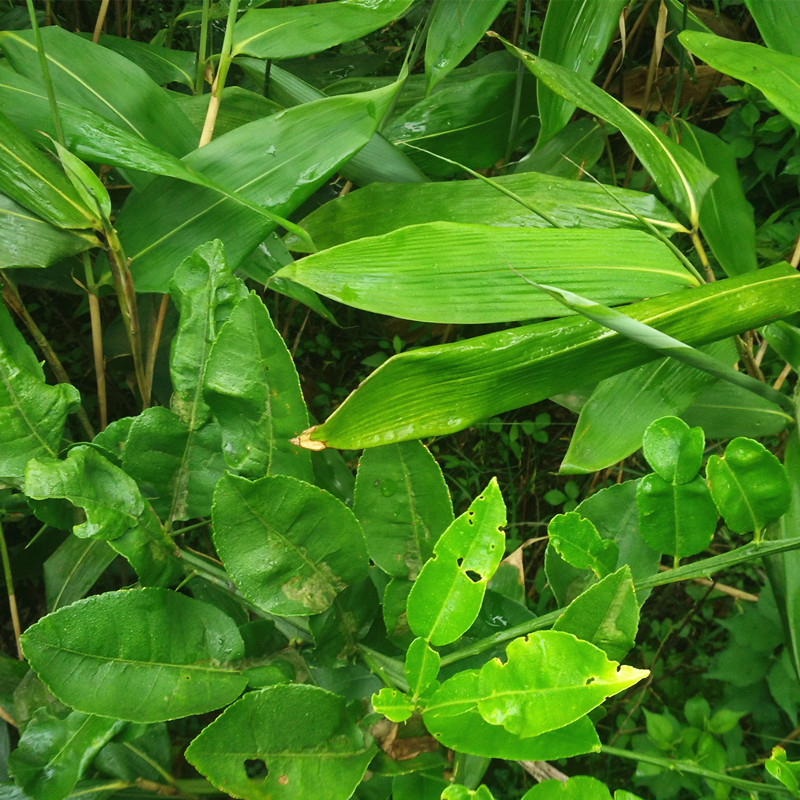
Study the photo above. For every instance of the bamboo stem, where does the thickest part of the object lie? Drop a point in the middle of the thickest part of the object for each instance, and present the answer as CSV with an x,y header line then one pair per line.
x,y
97,342
12,598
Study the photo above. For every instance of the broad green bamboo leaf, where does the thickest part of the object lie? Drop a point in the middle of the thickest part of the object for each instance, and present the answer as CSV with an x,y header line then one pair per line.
x,y
115,509
682,179
34,181
606,615
421,667
467,122
176,467
289,546
575,149
276,162
726,218
784,338
97,79
458,273
447,595
144,655
378,161
237,107
676,518
455,27
73,569
384,207
403,505
32,413
279,33
90,188
577,541
160,63
550,680
252,388
307,738
26,240
53,754
619,409
776,74
749,485
438,390
673,450
576,37
581,787
452,717
777,24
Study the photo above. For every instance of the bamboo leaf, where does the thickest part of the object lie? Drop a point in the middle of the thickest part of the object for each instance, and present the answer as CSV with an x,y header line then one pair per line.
x,y
777,23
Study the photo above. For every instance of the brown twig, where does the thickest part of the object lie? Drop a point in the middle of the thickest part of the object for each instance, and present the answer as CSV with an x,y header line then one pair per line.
x,y
101,20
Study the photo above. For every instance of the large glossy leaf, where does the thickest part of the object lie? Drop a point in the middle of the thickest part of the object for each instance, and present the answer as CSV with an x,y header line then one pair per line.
x,y
775,74
289,546
777,23
457,273
402,503
145,655
276,162
307,739
725,208
452,717
682,179
550,679
54,753
441,389
576,37
32,413
34,181
26,240
446,597
384,207
456,26
237,107
102,81
253,390
619,409
115,509
301,30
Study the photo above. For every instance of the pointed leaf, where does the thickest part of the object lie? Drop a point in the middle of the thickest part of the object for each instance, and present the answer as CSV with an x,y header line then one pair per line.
x,y
682,179
421,667
549,680
252,388
73,569
673,450
415,272
402,503
144,655
441,389
160,63
577,541
280,33
290,547
574,150
447,595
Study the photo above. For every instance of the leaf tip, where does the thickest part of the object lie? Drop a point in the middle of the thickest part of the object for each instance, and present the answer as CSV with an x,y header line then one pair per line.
x,y
305,441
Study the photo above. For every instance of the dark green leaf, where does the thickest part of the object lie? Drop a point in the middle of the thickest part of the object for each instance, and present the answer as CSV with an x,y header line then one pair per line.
x,y
572,151
73,569
160,63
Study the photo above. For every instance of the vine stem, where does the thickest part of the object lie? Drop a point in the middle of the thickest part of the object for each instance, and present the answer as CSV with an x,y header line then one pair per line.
x,y
12,598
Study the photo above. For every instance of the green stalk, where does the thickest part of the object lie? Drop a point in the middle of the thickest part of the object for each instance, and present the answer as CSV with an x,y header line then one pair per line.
x,y
692,768
97,341
12,598
51,95
201,50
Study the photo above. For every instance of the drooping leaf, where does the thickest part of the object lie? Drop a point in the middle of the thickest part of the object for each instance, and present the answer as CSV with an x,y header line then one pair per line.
x,y
116,511
447,595
774,73
162,64
575,149
384,207
456,26
416,272
577,541
290,547
749,485
676,518
279,33
452,717
403,505
53,753
252,388
575,37
606,615
673,450
682,179
143,655
438,390
550,680
306,739
32,413
421,667
73,569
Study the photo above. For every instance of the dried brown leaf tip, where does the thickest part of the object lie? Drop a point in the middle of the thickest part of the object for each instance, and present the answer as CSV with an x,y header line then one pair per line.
x,y
305,441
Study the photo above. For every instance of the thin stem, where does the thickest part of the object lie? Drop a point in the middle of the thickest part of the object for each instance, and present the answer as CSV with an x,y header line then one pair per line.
x,y
202,49
152,351
12,598
97,341
101,20
51,95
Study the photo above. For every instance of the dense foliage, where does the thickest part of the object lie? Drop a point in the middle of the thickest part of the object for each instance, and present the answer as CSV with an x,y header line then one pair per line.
x,y
312,312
